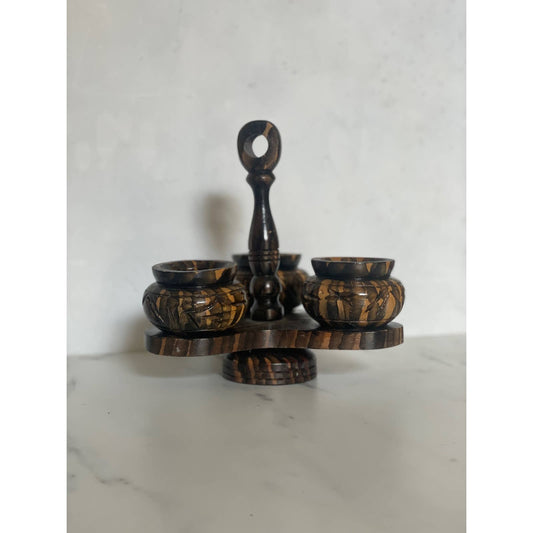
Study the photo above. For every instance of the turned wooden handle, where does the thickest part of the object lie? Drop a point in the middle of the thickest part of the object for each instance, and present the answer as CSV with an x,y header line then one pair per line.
x,y
263,255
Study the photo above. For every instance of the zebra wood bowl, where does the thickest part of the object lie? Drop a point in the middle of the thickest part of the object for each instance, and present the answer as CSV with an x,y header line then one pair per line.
x,y
353,292
194,297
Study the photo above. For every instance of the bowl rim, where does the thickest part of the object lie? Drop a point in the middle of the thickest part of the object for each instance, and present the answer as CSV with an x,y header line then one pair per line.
x,y
220,263
352,260
356,267
203,272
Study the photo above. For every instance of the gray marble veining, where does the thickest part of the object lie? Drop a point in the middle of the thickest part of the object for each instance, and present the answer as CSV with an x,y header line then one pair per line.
x,y
376,443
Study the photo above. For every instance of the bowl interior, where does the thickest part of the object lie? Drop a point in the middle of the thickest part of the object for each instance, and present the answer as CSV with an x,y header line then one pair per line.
x,y
241,260
353,267
289,261
194,272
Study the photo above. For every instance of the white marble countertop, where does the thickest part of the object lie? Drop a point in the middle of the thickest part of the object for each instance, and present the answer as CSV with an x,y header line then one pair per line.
x,y
375,444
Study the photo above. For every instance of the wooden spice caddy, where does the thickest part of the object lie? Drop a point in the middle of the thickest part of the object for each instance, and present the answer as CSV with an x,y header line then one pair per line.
x,y
268,348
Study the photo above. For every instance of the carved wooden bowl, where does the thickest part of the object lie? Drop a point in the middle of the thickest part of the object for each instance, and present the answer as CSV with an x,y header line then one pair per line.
x,y
353,292
291,278
195,297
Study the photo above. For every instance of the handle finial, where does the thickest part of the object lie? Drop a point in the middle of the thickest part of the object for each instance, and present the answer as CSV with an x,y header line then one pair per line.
x,y
249,132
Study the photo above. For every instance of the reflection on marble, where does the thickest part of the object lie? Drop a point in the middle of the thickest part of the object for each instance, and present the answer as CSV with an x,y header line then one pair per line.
x,y
375,443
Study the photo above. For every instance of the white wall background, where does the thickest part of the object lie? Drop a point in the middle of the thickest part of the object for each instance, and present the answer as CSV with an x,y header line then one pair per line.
x,y
369,100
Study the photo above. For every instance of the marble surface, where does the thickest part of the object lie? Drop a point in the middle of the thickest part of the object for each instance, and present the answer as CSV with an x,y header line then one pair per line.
x,y
375,444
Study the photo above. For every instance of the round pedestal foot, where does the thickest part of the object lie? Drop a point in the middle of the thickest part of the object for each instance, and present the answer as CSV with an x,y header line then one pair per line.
x,y
270,366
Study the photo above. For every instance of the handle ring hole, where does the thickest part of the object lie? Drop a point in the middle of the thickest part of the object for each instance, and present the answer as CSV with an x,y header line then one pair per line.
x,y
256,146
260,146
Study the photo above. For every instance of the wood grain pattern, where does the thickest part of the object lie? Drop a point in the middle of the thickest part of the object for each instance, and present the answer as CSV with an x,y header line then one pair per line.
x,y
292,284
195,309
353,303
270,367
296,330
353,292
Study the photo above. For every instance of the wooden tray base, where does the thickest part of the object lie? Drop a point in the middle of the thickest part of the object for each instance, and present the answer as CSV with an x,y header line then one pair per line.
x,y
297,330
272,353
270,367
